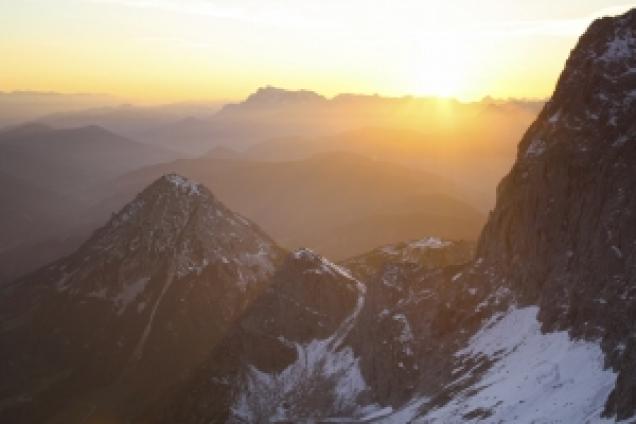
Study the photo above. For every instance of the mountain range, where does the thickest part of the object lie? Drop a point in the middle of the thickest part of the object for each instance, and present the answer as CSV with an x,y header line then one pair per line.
x,y
180,310
342,194
48,175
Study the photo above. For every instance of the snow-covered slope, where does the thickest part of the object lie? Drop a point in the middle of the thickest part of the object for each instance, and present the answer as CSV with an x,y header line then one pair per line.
x,y
324,364
533,377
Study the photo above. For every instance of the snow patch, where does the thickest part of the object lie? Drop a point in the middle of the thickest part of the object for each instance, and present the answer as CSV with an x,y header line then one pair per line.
x,y
620,141
321,365
555,117
406,335
325,265
620,48
536,148
430,243
130,293
182,184
617,252
535,377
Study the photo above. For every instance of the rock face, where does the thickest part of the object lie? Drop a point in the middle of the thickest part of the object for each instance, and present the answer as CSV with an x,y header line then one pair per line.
x,y
537,328
286,358
178,310
137,307
321,344
427,253
563,232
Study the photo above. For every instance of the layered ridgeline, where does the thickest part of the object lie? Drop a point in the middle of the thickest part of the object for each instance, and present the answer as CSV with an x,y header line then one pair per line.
x,y
180,311
324,344
104,330
538,328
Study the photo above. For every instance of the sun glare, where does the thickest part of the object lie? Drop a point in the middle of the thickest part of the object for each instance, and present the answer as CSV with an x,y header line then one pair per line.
x,y
441,66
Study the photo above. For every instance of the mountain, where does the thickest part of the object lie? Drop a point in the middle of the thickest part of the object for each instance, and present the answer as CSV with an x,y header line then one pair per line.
x,y
269,112
475,151
133,310
23,106
538,327
427,253
273,96
48,177
179,310
324,344
133,121
68,161
338,193
562,234
272,113
310,299
344,195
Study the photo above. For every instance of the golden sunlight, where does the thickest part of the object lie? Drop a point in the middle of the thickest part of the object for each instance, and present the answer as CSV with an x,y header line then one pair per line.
x,y
441,67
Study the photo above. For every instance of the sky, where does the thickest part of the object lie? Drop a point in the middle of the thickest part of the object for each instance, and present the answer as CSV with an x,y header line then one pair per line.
x,y
181,50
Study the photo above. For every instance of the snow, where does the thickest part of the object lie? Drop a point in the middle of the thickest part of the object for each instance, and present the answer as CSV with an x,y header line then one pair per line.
x,y
617,252
620,48
535,377
259,263
430,243
536,148
183,184
99,293
555,117
130,293
141,344
325,265
620,141
406,335
321,365
390,249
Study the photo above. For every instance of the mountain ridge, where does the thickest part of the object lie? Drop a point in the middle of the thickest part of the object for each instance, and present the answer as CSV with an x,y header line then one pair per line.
x,y
154,287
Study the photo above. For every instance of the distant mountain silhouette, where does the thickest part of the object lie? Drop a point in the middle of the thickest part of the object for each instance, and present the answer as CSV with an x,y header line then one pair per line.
x,y
274,113
17,107
476,165
134,121
48,176
70,160
332,191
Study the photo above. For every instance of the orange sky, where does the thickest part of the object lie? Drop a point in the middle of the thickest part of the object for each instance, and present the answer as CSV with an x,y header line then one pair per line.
x,y
175,50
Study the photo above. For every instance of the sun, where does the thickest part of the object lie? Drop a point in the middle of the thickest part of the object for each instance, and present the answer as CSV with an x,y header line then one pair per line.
x,y
441,67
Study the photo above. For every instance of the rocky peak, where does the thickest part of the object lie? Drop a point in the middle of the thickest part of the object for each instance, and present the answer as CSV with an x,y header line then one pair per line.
x,y
562,234
277,96
156,288
179,217
594,103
